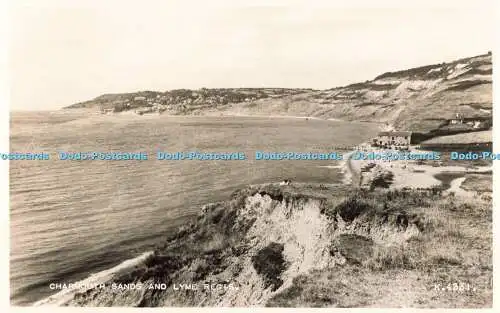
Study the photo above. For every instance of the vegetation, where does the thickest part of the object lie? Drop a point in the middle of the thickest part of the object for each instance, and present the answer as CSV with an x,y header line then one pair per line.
x,y
371,203
184,100
423,99
453,247
397,245
446,232
269,262
480,182
382,180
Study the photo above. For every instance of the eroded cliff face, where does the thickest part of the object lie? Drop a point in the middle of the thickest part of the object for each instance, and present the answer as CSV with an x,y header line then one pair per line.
x,y
423,99
253,247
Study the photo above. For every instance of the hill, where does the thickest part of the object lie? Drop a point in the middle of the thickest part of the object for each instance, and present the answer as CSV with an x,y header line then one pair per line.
x,y
425,100
182,101
315,246
432,100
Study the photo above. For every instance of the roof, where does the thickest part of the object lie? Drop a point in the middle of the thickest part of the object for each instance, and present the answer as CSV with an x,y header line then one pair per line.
x,y
395,133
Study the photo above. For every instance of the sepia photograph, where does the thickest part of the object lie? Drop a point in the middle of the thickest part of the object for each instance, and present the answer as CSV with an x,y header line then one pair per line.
x,y
290,154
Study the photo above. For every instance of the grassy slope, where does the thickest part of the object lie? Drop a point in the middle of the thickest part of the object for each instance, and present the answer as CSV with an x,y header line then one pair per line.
x,y
420,99
455,247
395,245
478,182
475,137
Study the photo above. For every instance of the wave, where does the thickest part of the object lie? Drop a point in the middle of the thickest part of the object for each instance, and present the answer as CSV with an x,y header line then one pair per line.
x,y
102,277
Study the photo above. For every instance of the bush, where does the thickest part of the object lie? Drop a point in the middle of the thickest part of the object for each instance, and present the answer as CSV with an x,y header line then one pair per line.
x,y
394,257
383,180
353,247
351,208
269,263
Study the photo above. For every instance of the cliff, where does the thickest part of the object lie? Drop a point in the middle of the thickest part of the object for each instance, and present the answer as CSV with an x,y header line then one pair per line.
x,y
305,245
424,99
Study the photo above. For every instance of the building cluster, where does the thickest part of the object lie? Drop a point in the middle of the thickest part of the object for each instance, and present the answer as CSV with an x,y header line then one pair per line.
x,y
179,100
397,140
472,122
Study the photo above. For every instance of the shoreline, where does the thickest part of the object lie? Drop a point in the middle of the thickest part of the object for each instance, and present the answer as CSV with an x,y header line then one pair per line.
x,y
209,114
351,172
403,177
65,295
409,174
129,113
276,116
351,176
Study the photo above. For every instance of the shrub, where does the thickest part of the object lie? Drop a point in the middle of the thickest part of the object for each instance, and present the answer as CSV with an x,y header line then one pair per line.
x,y
394,257
352,208
383,180
269,263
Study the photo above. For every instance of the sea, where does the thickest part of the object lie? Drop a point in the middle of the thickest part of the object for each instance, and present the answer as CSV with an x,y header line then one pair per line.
x,y
70,219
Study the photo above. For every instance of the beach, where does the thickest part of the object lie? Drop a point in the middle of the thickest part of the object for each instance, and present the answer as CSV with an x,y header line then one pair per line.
x,y
82,209
410,173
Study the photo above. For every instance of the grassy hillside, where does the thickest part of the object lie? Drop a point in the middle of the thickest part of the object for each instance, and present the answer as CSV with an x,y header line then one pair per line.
x,y
321,246
475,137
424,99
183,101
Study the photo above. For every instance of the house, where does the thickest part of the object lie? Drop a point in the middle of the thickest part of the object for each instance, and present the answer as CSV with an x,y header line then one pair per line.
x,y
394,139
285,182
139,98
459,119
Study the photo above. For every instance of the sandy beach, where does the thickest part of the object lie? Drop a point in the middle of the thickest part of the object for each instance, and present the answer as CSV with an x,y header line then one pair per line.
x,y
408,174
236,114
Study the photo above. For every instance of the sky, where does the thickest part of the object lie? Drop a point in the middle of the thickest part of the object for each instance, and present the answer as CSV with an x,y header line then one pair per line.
x,y
63,52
